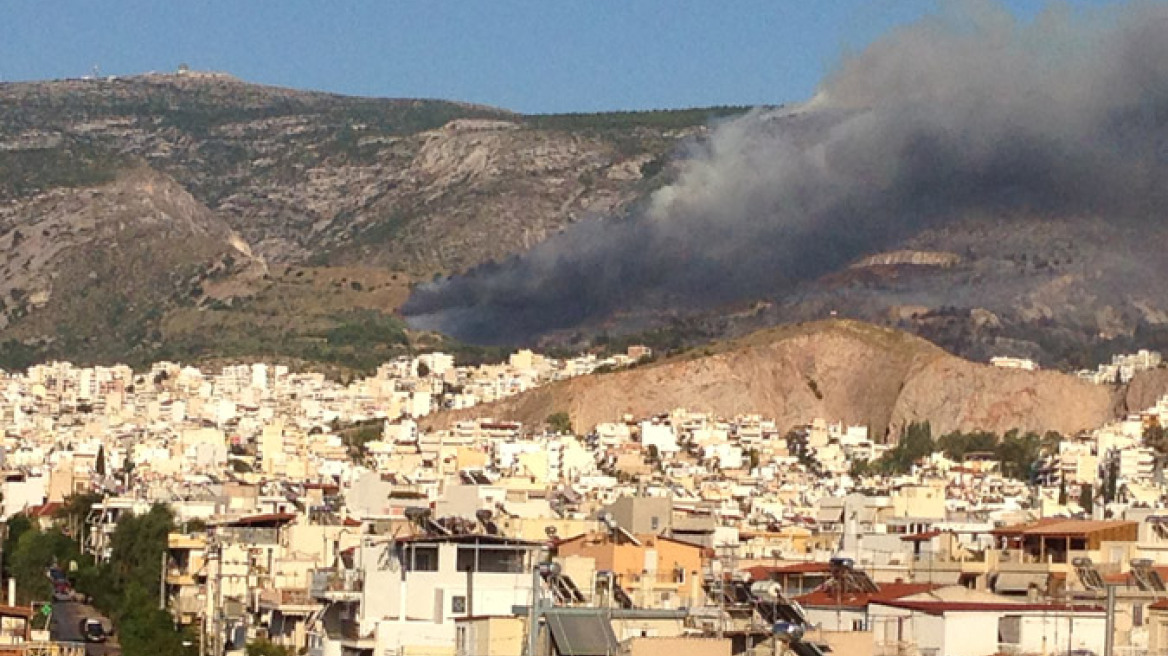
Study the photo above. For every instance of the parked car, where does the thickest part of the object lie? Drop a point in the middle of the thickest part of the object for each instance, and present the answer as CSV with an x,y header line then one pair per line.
x,y
93,630
62,591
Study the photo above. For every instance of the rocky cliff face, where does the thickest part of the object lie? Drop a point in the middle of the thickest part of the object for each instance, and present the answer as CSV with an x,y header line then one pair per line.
x,y
838,370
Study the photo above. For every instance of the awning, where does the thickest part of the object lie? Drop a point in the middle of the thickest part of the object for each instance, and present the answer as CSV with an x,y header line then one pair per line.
x,y
824,515
1019,581
579,633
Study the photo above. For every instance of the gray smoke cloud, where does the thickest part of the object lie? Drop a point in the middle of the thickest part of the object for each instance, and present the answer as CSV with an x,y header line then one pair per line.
x,y
966,111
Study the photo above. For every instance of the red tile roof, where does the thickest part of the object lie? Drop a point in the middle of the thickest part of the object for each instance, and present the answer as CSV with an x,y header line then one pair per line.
x,y
887,592
1019,529
761,572
1058,526
1077,527
941,607
45,510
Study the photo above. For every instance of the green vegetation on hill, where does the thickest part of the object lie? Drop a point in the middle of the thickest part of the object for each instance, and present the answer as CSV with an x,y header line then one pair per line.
x,y
71,163
652,118
357,340
665,340
1016,451
357,435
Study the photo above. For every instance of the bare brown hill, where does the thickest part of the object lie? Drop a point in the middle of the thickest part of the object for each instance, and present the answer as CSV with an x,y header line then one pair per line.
x,y
838,370
1145,389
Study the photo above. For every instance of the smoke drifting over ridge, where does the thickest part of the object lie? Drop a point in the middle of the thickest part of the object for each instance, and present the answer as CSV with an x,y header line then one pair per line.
x,y
969,112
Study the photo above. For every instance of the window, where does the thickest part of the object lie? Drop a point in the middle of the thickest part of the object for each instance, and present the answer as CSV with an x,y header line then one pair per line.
x,y
509,561
655,522
458,604
422,559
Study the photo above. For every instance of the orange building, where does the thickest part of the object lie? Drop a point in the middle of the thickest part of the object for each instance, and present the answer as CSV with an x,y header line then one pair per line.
x,y
655,571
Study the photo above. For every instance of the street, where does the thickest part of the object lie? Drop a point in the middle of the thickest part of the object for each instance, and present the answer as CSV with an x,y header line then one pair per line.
x,y
66,627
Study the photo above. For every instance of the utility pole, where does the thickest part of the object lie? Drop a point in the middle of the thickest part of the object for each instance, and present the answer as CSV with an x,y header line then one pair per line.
x,y
1109,637
721,573
533,612
214,599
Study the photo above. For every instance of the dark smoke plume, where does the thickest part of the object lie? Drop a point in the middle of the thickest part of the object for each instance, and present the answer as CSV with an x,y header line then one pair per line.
x,y
967,112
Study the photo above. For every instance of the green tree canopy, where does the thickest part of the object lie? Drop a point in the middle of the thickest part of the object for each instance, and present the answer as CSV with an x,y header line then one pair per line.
x,y
560,422
32,556
266,648
915,442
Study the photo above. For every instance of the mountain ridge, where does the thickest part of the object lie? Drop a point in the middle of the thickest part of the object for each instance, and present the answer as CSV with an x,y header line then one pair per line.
x,y
363,196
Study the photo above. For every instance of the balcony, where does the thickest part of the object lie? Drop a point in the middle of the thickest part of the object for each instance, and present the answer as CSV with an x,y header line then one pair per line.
x,y
179,576
287,600
334,585
249,535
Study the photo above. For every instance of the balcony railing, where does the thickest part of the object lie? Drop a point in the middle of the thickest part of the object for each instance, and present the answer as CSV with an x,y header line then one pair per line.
x,y
325,581
285,597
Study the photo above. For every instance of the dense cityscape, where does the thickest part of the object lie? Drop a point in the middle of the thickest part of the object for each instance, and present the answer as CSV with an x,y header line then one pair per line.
x,y
313,517
765,328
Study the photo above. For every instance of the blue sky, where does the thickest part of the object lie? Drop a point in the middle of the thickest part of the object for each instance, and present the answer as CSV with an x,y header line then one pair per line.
x,y
525,55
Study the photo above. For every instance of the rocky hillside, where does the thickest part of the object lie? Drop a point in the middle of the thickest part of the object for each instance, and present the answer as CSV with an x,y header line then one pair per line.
x,y
411,185
93,269
297,221
838,370
1068,292
194,214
